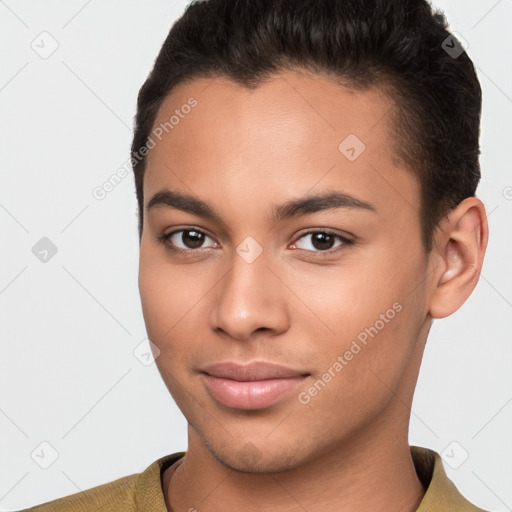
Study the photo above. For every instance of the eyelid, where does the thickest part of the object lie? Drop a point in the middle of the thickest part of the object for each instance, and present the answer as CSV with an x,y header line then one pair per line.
x,y
346,241
167,236
329,231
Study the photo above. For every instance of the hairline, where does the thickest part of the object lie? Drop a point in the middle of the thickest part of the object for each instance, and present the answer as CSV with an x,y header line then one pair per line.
x,y
377,79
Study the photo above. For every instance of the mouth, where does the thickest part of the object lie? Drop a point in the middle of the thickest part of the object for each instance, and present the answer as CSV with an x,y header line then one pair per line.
x,y
254,386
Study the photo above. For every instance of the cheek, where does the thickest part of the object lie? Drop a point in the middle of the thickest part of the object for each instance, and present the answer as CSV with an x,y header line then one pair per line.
x,y
165,309
160,289
360,371
161,286
173,298
373,314
345,299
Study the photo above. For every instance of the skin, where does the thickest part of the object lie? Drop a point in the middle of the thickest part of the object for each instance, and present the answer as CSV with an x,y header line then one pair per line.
x,y
244,152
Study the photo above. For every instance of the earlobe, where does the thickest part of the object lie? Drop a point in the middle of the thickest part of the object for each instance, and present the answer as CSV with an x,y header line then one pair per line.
x,y
460,249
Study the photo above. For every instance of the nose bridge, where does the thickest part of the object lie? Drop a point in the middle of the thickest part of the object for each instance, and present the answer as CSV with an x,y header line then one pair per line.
x,y
247,298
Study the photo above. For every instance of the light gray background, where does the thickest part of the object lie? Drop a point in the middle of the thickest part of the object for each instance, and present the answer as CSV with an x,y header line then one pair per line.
x,y
69,376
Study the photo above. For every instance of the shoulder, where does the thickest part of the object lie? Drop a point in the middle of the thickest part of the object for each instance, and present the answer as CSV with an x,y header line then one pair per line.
x,y
116,495
441,493
139,491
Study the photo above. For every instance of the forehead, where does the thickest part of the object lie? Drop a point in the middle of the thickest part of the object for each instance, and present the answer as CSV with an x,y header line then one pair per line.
x,y
296,107
297,132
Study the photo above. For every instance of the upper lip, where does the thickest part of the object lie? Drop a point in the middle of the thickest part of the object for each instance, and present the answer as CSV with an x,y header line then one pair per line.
x,y
256,370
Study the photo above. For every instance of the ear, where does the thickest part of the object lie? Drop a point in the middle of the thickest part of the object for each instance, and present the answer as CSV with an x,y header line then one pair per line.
x,y
458,253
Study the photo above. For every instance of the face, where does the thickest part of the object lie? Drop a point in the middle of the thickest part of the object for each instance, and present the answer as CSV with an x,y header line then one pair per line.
x,y
334,291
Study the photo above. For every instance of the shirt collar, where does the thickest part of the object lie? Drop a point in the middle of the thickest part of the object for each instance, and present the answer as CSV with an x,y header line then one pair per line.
x,y
441,493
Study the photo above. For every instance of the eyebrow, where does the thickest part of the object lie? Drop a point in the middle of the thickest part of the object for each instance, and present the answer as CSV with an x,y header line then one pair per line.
x,y
293,208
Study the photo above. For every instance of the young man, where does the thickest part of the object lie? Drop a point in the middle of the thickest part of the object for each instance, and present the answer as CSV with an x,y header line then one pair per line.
x,y
306,174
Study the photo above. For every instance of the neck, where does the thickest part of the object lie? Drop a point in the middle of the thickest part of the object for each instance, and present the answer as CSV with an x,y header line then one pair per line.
x,y
364,474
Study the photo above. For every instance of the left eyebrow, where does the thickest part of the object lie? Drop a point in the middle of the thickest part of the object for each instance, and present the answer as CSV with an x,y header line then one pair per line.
x,y
293,208
319,202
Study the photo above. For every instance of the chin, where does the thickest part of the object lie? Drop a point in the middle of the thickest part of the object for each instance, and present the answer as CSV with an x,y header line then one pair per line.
x,y
250,458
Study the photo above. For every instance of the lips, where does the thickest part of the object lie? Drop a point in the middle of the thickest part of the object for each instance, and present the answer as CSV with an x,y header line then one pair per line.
x,y
254,386
250,372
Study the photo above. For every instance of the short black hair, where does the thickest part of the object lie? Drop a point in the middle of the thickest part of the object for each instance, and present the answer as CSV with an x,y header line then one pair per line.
x,y
402,47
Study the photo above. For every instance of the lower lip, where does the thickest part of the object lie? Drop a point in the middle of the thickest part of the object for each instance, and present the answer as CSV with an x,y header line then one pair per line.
x,y
256,394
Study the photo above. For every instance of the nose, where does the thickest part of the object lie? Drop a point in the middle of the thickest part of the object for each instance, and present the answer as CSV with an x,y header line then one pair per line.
x,y
250,298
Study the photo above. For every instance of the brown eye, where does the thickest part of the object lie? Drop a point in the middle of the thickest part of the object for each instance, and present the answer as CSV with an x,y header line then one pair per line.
x,y
190,238
321,241
186,240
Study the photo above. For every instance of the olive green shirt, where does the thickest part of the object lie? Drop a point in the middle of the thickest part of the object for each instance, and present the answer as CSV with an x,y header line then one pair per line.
x,y
143,491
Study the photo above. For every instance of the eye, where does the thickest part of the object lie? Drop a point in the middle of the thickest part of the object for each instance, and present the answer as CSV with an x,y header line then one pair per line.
x,y
185,240
322,242
190,241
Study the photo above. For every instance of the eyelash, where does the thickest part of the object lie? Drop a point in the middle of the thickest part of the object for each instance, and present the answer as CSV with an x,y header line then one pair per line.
x,y
164,239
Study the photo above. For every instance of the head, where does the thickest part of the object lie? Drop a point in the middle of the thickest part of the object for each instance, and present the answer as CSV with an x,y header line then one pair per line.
x,y
305,175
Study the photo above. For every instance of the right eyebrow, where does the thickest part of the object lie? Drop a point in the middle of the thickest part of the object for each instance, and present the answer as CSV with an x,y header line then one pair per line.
x,y
183,202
